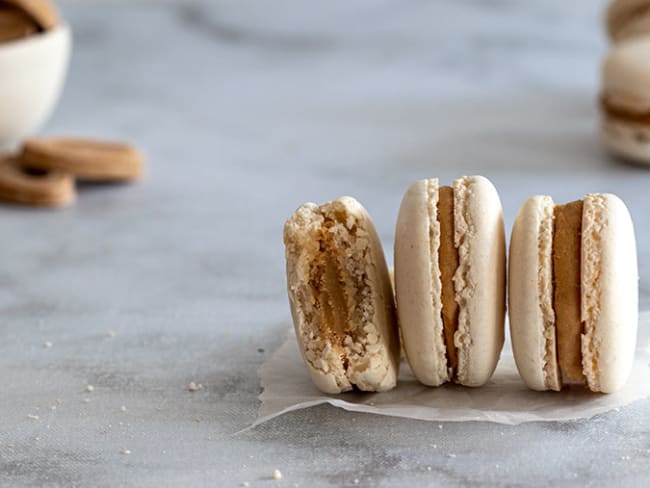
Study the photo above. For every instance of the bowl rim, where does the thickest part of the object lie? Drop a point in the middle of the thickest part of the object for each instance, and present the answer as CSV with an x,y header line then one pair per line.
x,y
22,42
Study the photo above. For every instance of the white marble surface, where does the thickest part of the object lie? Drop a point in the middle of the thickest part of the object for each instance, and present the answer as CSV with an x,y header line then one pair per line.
x,y
246,109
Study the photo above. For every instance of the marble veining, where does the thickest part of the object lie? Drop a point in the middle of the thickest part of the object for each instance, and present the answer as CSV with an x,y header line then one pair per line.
x,y
246,109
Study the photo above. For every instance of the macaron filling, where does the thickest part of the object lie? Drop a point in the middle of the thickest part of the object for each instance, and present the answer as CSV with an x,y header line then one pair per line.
x,y
448,262
339,266
328,292
567,239
622,114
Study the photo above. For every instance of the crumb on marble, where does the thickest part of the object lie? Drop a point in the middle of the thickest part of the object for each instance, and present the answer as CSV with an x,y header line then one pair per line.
x,y
123,408
194,386
126,452
32,416
47,344
110,333
86,400
277,474
90,388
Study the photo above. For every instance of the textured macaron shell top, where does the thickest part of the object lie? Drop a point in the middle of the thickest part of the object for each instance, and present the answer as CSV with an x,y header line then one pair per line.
x,y
479,281
480,278
341,297
626,76
626,19
530,297
609,292
418,287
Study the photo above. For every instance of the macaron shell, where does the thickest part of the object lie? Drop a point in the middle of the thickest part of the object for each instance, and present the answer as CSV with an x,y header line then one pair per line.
x,y
417,284
379,368
626,75
627,140
480,278
609,292
526,269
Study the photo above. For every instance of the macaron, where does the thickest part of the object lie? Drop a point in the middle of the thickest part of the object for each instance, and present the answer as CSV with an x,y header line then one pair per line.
x,y
86,159
573,293
341,298
625,100
626,19
450,280
43,12
15,24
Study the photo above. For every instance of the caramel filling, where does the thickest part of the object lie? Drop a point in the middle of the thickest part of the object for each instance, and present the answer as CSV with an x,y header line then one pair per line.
x,y
624,115
567,237
448,262
327,281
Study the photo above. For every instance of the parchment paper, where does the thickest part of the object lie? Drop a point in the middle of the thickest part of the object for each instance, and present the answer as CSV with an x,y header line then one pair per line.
x,y
505,399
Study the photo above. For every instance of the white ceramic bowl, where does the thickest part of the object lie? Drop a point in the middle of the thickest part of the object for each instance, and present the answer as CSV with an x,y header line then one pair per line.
x,y
32,72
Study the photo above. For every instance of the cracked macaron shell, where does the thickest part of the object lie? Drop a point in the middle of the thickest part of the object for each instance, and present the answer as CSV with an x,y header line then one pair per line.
x,y
370,359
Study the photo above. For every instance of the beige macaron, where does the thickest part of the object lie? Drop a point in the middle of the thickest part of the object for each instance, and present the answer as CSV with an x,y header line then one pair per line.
x,y
573,293
450,280
627,19
341,298
625,100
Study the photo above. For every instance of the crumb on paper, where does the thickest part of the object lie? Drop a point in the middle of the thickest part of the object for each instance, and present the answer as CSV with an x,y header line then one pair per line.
x,y
244,484
355,481
429,468
123,408
32,416
440,426
451,455
126,452
47,344
277,474
194,386
90,388
110,333
435,446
